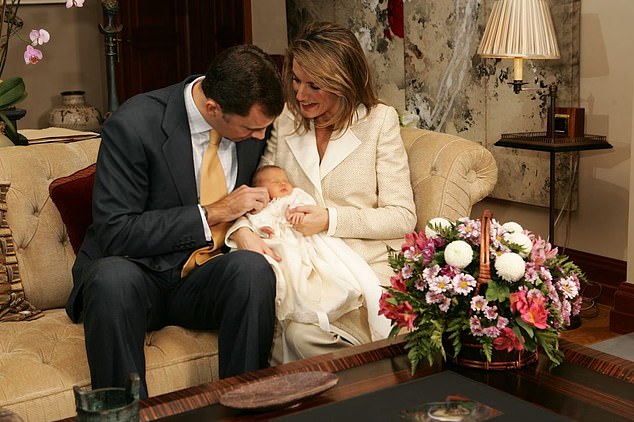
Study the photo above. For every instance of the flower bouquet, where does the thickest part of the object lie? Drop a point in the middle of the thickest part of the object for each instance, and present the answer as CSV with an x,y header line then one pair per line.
x,y
479,283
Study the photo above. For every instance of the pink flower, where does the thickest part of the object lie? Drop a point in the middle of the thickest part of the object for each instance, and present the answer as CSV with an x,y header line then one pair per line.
x,y
569,286
475,325
478,303
518,301
439,299
492,332
32,55
537,313
39,37
542,250
71,3
502,322
491,312
463,283
531,310
507,341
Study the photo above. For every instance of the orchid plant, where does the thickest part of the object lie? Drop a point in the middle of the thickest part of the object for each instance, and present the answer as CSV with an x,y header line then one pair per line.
x,y
13,90
41,36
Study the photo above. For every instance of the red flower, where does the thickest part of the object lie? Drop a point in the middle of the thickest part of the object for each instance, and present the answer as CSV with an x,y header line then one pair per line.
x,y
398,283
403,315
507,341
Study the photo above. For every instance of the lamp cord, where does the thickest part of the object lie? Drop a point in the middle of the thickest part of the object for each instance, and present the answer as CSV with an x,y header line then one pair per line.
x,y
589,308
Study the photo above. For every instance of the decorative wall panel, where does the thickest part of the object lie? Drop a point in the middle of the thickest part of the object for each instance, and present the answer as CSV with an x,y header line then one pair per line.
x,y
423,53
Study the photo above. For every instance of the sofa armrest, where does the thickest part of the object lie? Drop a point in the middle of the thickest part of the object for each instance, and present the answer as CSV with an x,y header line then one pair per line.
x,y
448,173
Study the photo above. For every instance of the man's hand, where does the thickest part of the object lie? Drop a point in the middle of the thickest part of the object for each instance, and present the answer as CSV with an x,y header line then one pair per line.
x,y
315,219
245,238
239,202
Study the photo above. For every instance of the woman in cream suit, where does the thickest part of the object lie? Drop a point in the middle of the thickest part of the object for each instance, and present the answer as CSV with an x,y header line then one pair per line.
x,y
340,144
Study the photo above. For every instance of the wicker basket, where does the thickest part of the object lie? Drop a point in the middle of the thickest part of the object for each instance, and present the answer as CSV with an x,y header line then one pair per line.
x,y
471,354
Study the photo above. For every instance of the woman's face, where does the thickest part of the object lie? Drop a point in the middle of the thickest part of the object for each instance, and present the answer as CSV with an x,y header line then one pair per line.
x,y
314,103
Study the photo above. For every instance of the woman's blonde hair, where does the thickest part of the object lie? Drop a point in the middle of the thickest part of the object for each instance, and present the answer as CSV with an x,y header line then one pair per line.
x,y
333,58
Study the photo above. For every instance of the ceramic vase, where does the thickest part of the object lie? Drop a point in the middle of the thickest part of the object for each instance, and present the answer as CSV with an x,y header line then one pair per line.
x,y
75,113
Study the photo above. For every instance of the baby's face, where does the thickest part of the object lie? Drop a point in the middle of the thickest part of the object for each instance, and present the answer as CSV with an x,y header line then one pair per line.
x,y
276,181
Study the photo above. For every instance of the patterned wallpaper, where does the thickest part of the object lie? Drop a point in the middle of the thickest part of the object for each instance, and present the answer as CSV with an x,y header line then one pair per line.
x,y
423,54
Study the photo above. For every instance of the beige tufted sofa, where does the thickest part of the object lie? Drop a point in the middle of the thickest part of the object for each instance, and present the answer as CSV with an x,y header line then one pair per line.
x,y
41,360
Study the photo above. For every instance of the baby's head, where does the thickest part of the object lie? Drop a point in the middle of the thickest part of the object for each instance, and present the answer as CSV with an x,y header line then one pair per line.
x,y
273,178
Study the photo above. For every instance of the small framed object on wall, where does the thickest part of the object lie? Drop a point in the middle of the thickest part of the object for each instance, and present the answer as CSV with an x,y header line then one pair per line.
x,y
569,123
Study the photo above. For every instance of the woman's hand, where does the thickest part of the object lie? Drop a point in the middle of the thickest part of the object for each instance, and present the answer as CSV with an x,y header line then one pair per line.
x,y
315,219
245,238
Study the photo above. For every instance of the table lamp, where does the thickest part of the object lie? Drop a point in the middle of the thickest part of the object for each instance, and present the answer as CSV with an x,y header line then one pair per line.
x,y
519,29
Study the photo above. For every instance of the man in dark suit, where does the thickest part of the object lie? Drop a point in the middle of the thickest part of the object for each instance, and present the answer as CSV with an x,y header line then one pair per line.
x,y
148,219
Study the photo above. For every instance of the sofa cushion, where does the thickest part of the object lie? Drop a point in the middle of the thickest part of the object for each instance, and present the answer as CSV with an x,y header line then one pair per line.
x,y
13,304
72,196
44,359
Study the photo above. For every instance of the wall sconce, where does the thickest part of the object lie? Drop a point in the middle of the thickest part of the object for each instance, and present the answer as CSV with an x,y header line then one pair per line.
x,y
523,29
519,29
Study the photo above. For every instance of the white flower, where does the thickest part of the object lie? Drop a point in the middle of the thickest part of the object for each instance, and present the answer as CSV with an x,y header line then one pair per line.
x,y
512,227
510,266
436,222
458,253
524,242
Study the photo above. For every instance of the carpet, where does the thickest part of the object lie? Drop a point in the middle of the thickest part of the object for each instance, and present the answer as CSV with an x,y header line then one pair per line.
x,y
621,346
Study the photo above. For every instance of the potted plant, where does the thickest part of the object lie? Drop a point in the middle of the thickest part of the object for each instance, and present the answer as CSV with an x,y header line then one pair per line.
x,y
481,293
13,90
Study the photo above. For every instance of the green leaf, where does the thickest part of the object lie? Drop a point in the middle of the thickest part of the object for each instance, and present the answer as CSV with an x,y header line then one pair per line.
x,y
12,91
488,350
549,342
525,326
9,129
497,292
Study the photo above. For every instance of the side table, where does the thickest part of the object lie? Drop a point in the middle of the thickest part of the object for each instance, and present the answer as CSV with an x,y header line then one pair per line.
x,y
539,141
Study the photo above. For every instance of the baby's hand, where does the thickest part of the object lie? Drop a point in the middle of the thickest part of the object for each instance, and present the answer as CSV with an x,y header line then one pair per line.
x,y
267,230
295,217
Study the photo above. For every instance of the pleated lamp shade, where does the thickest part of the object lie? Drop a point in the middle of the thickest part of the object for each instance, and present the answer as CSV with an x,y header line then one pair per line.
x,y
519,29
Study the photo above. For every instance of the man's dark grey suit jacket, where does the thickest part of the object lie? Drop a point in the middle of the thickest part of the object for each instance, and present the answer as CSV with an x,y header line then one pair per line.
x,y
145,198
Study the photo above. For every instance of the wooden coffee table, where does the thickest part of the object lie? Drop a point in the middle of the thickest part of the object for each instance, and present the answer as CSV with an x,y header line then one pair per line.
x,y
589,385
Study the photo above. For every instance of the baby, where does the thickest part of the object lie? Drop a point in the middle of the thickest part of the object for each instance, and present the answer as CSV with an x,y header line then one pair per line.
x,y
320,278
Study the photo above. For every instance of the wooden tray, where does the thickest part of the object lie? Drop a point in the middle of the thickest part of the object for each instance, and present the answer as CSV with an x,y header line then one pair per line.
x,y
278,391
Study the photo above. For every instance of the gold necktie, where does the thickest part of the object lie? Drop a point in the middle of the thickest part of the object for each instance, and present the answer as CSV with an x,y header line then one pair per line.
x,y
213,187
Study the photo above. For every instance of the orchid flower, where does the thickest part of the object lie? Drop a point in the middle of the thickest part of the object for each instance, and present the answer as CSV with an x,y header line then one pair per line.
x,y
39,37
42,36
32,55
